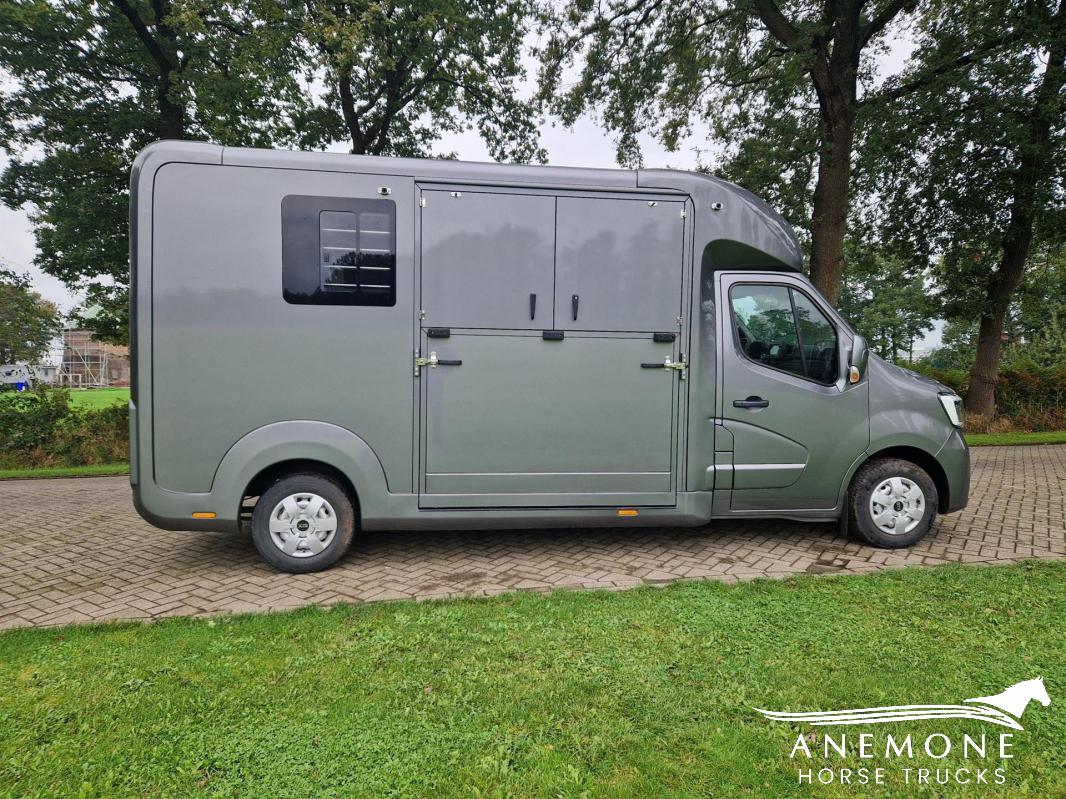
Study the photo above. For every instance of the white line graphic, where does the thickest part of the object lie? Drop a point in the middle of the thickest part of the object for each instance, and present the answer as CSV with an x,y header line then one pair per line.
x,y
1004,709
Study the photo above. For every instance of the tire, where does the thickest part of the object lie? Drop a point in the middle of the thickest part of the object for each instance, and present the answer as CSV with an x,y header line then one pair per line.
x,y
303,523
904,515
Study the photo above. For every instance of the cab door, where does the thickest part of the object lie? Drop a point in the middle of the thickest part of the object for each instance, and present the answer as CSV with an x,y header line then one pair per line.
x,y
796,424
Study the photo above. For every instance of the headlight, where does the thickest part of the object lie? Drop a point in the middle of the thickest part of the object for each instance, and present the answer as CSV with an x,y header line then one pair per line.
x,y
952,407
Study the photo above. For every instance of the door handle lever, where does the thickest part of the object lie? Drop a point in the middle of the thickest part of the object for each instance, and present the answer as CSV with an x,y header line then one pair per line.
x,y
532,305
573,305
751,402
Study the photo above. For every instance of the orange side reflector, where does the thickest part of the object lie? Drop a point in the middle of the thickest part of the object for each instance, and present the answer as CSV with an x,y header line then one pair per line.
x,y
628,512
203,514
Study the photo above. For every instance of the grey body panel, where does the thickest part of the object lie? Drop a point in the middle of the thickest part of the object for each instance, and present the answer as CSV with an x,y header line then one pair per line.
x,y
483,256
565,420
621,260
792,453
230,380
238,356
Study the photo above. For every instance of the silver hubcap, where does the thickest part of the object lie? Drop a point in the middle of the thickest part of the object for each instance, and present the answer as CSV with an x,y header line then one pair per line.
x,y
897,505
302,525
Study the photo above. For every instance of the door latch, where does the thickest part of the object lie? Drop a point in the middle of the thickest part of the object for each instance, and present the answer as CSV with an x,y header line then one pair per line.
x,y
433,361
678,366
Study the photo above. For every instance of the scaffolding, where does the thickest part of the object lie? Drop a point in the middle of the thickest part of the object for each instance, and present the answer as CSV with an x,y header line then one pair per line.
x,y
91,363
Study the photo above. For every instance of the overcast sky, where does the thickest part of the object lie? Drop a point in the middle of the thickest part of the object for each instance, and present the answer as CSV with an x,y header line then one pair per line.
x,y
586,144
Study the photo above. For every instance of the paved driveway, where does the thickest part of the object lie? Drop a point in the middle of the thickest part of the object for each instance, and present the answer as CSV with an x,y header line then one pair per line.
x,y
88,556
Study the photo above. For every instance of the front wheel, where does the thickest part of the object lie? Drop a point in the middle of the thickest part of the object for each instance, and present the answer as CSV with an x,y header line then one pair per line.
x,y
303,523
892,503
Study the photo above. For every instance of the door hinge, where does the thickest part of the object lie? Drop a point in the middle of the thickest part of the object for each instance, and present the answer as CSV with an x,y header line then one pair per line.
x,y
684,214
680,321
422,202
421,314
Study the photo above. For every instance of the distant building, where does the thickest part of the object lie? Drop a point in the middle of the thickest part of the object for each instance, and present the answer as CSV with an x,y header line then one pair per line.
x,y
88,362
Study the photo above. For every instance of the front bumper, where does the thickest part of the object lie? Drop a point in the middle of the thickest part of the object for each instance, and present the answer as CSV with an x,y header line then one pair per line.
x,y
954,457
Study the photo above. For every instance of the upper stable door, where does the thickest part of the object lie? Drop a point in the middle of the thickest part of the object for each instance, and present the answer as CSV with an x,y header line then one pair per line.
x,y
618,264
487,259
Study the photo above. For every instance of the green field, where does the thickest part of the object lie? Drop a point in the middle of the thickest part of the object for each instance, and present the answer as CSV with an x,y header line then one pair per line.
x,y
641,693
98,397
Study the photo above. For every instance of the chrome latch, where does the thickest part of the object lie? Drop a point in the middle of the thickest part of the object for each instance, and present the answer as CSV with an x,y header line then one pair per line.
x,y
431,361
678,366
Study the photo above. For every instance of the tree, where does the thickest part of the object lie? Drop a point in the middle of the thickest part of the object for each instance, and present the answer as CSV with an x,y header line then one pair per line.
x,y
93,83
971,167
28,323
887,301
791,84
399,74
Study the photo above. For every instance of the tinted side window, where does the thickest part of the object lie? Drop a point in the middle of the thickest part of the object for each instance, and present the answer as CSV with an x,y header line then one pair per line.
x,y
766,328
818,340
782,328
338,251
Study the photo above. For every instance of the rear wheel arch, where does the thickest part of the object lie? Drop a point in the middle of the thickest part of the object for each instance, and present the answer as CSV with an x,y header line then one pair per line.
x,y
277,471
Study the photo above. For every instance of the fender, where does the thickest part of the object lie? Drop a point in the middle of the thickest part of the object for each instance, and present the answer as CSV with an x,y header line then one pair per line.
x,y
301,440
255,451
903,439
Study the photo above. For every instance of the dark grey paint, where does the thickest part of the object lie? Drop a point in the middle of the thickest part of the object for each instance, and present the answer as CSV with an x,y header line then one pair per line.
x,y
231,379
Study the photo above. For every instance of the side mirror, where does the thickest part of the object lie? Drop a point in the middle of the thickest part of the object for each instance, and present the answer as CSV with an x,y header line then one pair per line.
x,y
858,358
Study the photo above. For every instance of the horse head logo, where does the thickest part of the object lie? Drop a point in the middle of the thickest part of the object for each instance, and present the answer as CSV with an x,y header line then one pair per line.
x,y
1015,699
1004,709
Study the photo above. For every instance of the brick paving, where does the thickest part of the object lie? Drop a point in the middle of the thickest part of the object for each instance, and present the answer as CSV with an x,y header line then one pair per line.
x,y
89,557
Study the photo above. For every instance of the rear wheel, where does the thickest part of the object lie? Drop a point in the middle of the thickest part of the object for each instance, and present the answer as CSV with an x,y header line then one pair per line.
x,y
892,503
303,523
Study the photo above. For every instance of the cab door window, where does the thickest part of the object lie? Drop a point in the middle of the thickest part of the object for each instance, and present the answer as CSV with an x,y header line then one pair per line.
x,y
781,328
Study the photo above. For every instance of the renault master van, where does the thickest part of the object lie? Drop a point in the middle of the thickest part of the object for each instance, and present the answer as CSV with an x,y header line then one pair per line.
x,y
328,343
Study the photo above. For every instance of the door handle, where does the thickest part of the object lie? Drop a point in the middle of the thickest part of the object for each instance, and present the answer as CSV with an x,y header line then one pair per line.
x,y
751,402
573,305
532,306
433,362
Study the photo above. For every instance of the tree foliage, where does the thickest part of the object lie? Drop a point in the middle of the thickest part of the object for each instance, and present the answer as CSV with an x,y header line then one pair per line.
x,y
970,166
28,323
93,83
888,301
400,74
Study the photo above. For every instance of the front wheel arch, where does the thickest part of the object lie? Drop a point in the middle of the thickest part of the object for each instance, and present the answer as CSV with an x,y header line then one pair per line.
x,y
922,460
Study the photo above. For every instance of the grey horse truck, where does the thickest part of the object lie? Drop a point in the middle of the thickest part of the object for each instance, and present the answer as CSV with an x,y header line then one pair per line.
x,y
325,343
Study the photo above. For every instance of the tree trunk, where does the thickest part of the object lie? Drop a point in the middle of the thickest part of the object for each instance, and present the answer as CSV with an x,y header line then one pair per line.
x,y
1034,171
171,114
829,218
351,118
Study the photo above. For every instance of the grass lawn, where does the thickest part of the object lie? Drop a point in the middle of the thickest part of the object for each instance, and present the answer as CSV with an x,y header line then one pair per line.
x,y
1012,439
96,470
98,397
644,693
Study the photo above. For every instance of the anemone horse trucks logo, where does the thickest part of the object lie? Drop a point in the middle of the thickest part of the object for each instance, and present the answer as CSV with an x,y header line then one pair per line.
x,y
1004,708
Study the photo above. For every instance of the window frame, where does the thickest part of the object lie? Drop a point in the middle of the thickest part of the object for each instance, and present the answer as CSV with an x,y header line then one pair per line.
x,y
301,250
799,336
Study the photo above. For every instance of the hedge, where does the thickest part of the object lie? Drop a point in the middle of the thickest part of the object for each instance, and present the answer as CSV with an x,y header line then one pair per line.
x,y
1028,397
40,429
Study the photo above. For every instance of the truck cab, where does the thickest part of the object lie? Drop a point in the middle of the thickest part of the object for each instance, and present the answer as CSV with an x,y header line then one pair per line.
x,y
327,343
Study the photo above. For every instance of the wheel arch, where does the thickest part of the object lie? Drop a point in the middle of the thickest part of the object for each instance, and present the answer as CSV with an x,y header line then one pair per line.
x,y
282,447
920,458
269,474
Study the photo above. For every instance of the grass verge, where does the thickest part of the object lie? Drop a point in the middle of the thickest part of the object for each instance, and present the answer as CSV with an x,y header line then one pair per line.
x,y
641,693
96,470
98,397
1015,439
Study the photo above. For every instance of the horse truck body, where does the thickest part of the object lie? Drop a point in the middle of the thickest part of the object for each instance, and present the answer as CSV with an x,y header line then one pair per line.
x,y
379,343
